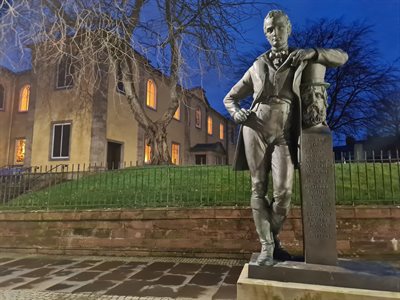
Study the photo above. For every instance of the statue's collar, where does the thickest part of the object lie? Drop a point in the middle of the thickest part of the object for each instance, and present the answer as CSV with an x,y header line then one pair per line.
x,y
265,55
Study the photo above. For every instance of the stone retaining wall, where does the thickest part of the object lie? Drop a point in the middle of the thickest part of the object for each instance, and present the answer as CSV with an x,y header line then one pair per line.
x,y
204,232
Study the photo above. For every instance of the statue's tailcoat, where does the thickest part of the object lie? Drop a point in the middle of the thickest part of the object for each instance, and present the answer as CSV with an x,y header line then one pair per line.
x,y
253,83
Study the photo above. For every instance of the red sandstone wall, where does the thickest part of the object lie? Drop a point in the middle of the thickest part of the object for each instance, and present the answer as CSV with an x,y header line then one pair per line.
x,y
209,232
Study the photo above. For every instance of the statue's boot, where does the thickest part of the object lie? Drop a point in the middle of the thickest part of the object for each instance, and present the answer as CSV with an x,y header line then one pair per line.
x,y
266,257
280,253
277,218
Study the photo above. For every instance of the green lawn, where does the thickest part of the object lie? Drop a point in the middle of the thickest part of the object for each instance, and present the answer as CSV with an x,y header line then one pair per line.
x,y
197,186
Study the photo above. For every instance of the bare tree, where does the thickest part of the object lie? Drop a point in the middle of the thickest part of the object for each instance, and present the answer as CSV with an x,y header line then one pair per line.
x,y
387,119
101,36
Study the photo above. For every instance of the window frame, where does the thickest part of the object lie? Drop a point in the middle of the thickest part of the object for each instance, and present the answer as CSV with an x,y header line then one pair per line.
x,y
155,94
2,97
15,150
198,109
179,153
21,92
68,65
119,81
53,125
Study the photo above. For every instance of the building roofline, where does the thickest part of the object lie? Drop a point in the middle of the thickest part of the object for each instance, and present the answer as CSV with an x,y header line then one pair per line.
x,y
11,72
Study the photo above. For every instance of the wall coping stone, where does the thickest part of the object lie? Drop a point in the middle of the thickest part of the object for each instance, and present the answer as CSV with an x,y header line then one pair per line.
x,y
171,213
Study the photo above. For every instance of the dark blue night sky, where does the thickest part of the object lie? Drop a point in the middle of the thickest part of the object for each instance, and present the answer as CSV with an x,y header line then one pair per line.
x,y
384,15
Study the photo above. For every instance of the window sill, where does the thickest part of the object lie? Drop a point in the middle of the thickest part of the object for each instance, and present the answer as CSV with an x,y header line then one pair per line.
x,y
60,88
151,108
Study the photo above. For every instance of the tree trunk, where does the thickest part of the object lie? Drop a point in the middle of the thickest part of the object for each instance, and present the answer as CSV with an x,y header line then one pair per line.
x,y
157,139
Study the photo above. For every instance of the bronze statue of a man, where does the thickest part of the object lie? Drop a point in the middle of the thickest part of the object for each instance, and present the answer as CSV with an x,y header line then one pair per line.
x,y
270,129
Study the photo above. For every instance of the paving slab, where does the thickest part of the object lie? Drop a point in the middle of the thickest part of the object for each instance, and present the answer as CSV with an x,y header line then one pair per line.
x,y
30,277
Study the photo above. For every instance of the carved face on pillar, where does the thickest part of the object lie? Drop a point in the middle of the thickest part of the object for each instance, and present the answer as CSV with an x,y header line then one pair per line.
x,y
314,98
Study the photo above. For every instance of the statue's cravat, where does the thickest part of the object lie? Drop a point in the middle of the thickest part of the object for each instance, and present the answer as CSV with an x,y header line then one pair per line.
x,y
278,58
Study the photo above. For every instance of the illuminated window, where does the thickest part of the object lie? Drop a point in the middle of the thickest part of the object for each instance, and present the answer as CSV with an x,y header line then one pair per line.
x,y
198,117
221,131
175,154
20,151
177,115
147,153
209,126
65,69
1,97
24,98
61,141
151,100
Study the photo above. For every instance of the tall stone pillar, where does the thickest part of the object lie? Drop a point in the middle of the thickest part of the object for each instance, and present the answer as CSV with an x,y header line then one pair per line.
x,y
317,179
318,196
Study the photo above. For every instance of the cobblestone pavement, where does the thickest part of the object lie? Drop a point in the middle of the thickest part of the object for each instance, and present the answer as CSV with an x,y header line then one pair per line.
x,y
110,278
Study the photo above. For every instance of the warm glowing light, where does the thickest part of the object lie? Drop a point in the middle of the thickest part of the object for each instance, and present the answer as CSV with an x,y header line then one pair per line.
x,y
177,115
175,153
20,151
151,100
24,98
147,154
209,125
221,131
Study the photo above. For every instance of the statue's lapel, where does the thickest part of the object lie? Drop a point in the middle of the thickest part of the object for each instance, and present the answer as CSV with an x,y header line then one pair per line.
x,y
261,73
297,78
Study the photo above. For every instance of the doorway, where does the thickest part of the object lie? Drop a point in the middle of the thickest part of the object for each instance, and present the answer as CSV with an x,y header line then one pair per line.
x,y
200,159
113,155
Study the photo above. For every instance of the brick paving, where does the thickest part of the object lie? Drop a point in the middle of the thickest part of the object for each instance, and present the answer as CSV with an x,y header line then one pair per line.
x,y
102,278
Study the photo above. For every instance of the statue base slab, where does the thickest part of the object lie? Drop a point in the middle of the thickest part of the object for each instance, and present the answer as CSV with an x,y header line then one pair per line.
x,y
347,273
273,289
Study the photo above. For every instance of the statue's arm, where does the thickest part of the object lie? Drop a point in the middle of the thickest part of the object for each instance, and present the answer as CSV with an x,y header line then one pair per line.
x,y
331,57
242,89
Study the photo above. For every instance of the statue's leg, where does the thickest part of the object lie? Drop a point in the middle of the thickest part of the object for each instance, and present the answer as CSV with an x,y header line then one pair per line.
x,y
257,158
282,178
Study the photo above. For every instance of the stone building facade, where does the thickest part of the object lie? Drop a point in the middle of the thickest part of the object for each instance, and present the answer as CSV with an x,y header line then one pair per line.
x,y
45,121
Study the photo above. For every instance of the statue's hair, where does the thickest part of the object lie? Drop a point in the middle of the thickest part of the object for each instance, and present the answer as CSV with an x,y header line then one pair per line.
x,y
278,13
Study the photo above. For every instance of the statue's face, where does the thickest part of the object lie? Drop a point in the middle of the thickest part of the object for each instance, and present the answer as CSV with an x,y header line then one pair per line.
x,y
314,105
277,31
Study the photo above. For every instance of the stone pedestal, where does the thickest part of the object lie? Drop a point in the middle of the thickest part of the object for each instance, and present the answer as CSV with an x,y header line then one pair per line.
x,y
272,289
317,183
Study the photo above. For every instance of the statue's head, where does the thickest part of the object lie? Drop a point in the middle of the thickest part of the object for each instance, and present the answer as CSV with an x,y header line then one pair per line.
x,y
277,28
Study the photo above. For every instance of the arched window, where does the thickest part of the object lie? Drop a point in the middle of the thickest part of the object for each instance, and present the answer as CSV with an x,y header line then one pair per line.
x,y
2,100
198,117
209,125
151,100
24,98
221,131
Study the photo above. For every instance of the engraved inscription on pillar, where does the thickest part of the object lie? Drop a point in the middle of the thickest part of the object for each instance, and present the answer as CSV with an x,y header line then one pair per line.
x,y
318,197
